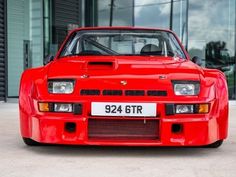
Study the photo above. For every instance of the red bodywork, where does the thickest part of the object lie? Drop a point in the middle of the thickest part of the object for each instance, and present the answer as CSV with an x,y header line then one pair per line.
x,y
141,73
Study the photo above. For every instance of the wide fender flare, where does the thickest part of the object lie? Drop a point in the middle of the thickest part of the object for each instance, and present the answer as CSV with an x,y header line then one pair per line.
x,y
223,107
26,94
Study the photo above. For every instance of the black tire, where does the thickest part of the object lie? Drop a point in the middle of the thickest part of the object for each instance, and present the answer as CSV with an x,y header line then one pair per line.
x,y
30,142
216,144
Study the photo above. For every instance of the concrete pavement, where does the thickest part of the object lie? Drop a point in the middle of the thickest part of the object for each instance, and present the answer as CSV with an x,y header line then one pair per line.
x,y
19,160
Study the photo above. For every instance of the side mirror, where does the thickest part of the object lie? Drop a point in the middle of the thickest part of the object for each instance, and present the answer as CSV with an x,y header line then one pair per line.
x,y
48,59
197,60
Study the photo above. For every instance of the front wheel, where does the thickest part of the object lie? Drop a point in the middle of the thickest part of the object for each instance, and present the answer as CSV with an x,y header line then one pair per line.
x,y
216,144
30,142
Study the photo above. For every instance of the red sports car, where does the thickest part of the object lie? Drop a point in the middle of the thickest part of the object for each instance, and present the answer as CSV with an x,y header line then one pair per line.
x,y
123,86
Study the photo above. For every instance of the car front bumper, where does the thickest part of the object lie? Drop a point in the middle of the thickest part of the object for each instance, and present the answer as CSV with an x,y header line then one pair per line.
x,y
195,129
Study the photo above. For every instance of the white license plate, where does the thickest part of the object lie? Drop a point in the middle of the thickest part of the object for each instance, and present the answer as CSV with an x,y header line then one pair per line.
x,y
123,109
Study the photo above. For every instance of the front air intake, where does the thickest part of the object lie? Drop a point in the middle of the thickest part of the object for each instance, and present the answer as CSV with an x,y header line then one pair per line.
x,y
100,65
121,129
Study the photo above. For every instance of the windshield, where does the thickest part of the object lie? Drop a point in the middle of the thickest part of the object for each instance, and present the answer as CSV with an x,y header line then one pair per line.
x,y
123,42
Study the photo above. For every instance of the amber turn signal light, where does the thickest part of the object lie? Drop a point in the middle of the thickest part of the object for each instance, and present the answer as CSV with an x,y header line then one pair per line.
x,y
203,108
44,107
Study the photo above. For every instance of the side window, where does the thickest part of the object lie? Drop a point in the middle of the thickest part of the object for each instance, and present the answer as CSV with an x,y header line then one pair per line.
x,y
69,45
175,47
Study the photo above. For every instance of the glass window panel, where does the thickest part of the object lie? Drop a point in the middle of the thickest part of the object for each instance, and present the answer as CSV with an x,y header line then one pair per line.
x,y
122,13
16,36
212,36
179,20
25,43
152,13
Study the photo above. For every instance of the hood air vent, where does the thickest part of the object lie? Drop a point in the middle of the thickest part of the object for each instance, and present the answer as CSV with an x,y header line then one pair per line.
x,y
100,65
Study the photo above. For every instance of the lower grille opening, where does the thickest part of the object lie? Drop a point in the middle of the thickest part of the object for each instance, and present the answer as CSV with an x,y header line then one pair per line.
x,y
123,129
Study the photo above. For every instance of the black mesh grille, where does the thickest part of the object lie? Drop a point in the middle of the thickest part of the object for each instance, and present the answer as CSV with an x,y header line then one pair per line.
x,y
112,92
89,92
123,129
134,92
121,93
156,93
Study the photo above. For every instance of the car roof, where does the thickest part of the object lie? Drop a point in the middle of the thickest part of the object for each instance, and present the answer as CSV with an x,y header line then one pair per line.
x,y
119,28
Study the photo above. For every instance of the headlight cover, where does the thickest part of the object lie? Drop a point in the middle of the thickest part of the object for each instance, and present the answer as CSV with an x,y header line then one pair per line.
x,y
61,86
186,87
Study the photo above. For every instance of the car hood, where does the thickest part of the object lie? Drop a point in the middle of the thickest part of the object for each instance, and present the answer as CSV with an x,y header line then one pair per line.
x,y
123,67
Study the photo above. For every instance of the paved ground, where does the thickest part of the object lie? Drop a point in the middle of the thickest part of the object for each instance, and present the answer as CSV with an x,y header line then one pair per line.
x,y
18,160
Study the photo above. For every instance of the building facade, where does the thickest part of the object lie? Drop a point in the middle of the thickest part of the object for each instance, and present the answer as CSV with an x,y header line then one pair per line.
x,y
33,29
